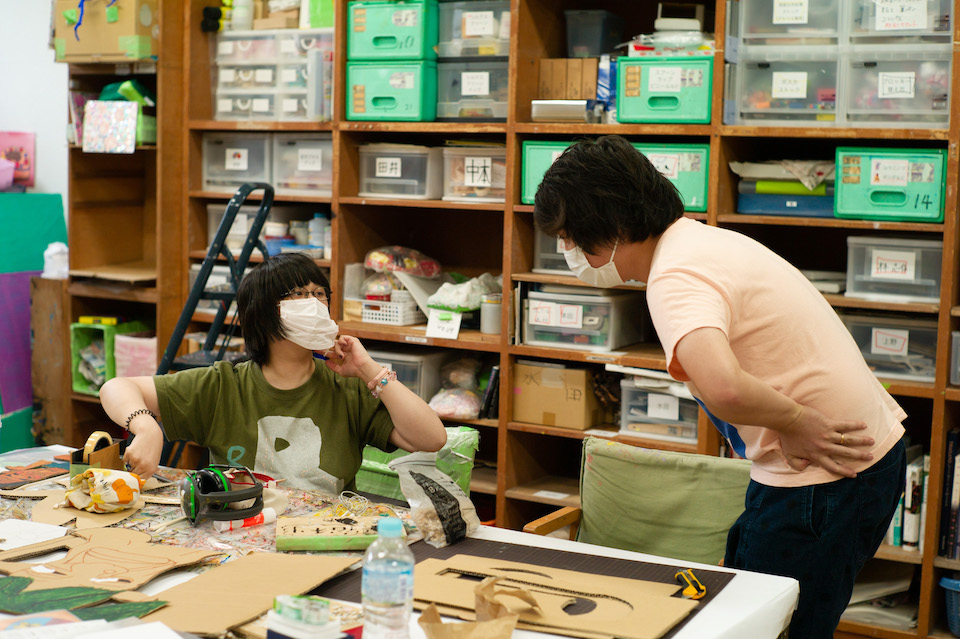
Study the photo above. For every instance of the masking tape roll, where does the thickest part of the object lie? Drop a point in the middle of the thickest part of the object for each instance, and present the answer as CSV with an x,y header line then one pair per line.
x,y
93,443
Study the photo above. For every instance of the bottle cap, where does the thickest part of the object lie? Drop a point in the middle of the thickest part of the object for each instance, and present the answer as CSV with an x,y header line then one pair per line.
x,y
389,527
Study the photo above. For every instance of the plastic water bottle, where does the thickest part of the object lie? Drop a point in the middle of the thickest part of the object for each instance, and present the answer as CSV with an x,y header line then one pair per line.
x,y
315,230
387,583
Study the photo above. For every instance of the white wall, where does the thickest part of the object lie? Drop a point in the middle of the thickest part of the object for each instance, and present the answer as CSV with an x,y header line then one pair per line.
x,y
33,89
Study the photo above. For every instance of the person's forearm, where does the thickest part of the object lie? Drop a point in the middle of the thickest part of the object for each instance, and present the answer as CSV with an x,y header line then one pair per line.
x,y
415,422
121,397
741,398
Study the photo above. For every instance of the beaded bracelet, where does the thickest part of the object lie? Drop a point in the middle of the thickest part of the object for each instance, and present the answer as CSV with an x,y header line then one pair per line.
x,y
383,382
376,379
139,411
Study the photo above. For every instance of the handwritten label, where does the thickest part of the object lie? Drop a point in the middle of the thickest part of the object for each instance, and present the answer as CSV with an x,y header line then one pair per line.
x,y
664,79
887,172
898,84
236,159
261,105
542,313
889,341
387,167
790,11
443,324
477,24
405,18
550,494
570,315
263,76
504,26
789,85
402,80
893,265
663,407
667,163
899,15
475,83
477,171
309,159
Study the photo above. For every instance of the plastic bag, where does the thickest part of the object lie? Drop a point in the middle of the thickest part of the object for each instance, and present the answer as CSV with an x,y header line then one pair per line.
x,y
442,511
460,373
456,403
465,296
379,286
401,258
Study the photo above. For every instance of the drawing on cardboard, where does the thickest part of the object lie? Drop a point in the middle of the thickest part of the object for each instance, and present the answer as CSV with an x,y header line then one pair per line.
x,y
48,512
326,533
15,598
627,608
16,476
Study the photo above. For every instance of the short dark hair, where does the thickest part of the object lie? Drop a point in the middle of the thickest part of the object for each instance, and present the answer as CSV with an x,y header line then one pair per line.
x,y
260,292
603,190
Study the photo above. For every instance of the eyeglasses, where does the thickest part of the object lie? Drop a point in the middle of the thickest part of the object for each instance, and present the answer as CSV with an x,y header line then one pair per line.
x,y
300,294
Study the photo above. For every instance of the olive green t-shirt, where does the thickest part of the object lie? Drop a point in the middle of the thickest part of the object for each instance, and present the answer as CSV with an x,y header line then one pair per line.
x,y
312,436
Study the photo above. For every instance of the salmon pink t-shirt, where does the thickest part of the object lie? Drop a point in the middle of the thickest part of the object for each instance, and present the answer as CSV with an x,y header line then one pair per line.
x,y
781,330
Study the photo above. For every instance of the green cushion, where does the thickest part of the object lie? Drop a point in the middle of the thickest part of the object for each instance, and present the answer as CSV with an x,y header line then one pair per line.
x,y
663,503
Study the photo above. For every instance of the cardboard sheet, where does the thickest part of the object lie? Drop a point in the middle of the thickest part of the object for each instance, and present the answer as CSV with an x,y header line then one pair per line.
x,y
48,512
623,607
243,589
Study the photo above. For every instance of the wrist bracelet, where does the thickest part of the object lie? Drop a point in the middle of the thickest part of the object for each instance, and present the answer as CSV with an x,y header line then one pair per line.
x,y
376,379
139,411
383,382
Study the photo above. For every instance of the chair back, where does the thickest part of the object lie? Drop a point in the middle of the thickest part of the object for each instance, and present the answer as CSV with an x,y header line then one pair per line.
x,y
677,505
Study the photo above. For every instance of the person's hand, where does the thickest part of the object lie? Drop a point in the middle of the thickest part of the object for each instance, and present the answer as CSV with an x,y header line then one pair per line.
x,y
814,438
142,455
349,358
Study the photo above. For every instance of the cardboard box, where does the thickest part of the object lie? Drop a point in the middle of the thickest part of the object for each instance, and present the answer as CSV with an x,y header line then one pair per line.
x,y
588,79
574,68
554,397
127,31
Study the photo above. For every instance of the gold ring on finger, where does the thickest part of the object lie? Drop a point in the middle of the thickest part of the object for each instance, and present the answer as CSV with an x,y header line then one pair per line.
x,y
841,438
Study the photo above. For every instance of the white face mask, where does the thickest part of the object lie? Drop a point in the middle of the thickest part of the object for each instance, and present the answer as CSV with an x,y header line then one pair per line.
x,y
606,276
306,322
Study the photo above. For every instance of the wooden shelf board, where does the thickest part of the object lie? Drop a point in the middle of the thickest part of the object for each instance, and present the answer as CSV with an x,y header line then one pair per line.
x,y
567,280
139,147
878,632
842,301
955,311
256,196
953,394
533,491
896,553
523,208
425,127
469,340
112,67
943,562
585,128
556,431
826,132
137,271
255,257
424,204
908,389
486,423
657,444
821,222
484,480
83,397
643,355
111,290
258,125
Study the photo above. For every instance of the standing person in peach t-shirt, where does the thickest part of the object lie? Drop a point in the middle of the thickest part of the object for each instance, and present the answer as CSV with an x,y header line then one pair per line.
x,y
765,356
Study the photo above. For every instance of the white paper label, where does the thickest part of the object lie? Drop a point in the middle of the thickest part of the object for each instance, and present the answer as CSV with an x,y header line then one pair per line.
x,y
789,84
288,46
550,494
663,406
225,48
896,15
664,79
478,23
289,76
236,159
309,159
402,80
667,163
542,313
477,171
290,105
790,11
415,339
504,26
475,83
261,105
387,167
898,84
886,172
889,341
227,75
443,324
224,105
405,18
570,315
263,76
893,265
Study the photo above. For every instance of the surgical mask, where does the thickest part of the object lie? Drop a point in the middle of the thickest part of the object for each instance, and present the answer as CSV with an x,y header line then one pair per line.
x,y
606,276
306,322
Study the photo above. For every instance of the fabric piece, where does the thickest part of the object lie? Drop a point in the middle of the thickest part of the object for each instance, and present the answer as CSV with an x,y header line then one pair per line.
x,y
16,431
102,490
708,277
15,385
28,223
311,436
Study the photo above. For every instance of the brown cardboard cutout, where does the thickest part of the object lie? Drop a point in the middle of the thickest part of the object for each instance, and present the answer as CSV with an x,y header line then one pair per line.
x,y
494,619
243,589
107,558
48,512
627,608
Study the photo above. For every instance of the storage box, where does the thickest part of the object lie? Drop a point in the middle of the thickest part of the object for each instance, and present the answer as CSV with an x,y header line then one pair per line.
x,y
402,171
303,164
472,90
401,310
101,358
298,44
247,76
598,322
247,46
474,174
537,158
124,32
805,23
902,87
686,166
548,255
664,89
896,347
404,91
593,32
554,396
893,23
218,281
233,159
655,413
788,88
476,28
134,356
417,369
894,269
785,205
246,105
891,184
385,30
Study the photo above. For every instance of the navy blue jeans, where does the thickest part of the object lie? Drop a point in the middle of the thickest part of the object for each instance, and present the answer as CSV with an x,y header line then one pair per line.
x,y
821,535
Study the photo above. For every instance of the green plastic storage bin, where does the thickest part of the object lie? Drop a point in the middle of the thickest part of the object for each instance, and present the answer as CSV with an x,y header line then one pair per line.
x,y
82,335
897,185
686,165
384,30
664,89
455,459
386,91
537,158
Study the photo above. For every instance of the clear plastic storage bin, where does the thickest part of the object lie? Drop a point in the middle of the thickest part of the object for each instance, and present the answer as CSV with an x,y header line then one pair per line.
x,y
233,159
238,232
586,322
303,164
400,171
655,413
799,91
417,369
472,90
592,32
775,22
872,21
476,174
245,105
905,87
246,46
894,269
548,255
247,76
218,282
896,347
294,44
475,28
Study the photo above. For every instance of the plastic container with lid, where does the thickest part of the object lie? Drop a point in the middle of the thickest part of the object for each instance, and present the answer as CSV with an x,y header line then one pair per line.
x,y
302,163
894,269
233,159
473,29
472,90
591,322
404,171
474,174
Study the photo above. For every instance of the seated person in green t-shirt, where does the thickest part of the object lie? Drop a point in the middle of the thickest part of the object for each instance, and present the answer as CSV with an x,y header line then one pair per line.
x,y
282,413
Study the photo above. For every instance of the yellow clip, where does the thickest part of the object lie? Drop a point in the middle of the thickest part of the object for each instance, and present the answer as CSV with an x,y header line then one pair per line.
x,y
692,588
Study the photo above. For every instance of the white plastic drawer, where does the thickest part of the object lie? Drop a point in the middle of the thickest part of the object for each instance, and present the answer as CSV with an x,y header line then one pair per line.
x,y
548,255
474,174
232,159
302,164
400,171
875,21
584,322
474,29
894,269
245,105
657,414
472,90
896,347
797,91
247,76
